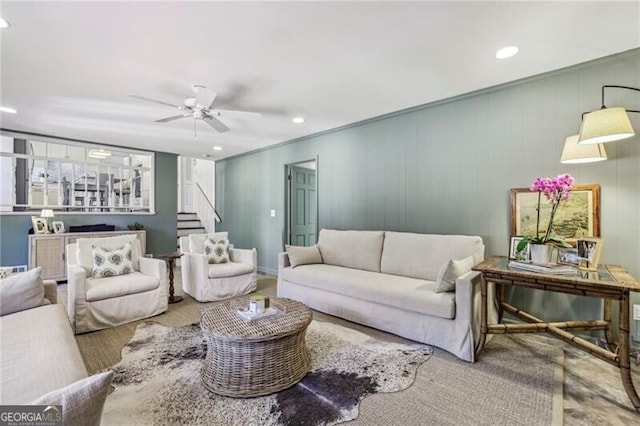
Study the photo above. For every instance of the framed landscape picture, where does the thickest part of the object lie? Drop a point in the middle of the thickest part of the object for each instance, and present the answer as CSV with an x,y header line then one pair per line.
x,y
577,217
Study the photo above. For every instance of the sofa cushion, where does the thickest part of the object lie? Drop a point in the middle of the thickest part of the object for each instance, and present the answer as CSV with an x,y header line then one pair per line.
x,y
21,291
121,285
39,354
84,249
196,241
303,255
110,263
422,255
449,273
352,249
392,290
82,402
229,269
217,249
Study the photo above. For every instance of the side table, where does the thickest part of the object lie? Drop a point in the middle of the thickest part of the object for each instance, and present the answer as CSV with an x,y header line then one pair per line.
x,y
171,261
609,283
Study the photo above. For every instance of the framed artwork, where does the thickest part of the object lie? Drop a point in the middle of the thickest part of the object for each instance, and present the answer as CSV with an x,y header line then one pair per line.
x,y
40,225
577,217
568,256
589,250
514,254
58,227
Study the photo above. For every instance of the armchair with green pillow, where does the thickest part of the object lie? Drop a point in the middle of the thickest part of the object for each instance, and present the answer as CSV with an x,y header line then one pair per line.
x,y
212,270
110,283
40,363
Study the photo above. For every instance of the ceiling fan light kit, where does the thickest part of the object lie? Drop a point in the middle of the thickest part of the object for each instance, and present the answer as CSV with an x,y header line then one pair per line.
x,y
200,107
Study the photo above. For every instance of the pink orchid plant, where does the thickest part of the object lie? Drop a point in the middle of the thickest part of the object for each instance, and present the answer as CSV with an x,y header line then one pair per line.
x,y
555,189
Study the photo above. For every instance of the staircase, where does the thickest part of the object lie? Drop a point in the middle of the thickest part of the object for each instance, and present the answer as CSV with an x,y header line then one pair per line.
x,y
188,223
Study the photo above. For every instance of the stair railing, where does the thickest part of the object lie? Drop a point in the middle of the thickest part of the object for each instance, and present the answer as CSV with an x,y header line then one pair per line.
x,y
206,210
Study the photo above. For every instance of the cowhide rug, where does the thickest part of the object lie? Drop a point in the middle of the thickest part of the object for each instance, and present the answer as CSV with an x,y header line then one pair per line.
x,y
158,380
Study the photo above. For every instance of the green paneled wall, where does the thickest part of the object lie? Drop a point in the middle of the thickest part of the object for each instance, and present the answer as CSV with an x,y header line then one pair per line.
x,y
447,168
160,227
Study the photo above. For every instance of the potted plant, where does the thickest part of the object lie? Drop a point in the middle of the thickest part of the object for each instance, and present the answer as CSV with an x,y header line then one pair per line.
x,y
555,189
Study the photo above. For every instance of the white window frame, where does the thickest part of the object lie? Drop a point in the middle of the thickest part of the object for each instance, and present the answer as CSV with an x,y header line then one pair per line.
x,y
102,202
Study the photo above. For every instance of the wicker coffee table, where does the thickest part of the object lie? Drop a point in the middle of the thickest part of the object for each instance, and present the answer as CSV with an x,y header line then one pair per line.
x,y
260,357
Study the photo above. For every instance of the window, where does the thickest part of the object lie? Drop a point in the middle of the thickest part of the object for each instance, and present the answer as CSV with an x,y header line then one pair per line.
x,y
74,177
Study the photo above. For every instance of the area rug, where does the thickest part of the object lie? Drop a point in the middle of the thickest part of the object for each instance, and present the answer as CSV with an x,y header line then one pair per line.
x,y
158,380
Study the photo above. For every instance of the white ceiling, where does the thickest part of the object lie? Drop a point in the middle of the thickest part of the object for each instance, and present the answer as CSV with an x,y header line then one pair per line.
x,y
68,67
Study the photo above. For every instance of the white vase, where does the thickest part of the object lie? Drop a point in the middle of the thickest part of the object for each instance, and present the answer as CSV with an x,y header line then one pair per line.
x,y
540,254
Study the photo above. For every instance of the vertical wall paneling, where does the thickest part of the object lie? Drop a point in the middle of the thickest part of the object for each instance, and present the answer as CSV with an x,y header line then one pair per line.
x,y
448,167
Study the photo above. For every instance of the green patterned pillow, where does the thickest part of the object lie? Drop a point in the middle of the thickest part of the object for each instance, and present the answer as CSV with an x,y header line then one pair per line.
x,y
217,250
109,263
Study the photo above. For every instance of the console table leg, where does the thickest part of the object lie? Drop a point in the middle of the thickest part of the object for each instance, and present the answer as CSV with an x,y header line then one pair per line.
x,y
606,315
483,317
625,362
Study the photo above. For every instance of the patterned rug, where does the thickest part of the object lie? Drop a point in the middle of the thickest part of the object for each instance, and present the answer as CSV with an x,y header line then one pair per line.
x,y
158,380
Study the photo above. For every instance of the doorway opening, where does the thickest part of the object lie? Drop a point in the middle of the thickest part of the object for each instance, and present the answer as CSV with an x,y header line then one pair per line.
x,y
301,198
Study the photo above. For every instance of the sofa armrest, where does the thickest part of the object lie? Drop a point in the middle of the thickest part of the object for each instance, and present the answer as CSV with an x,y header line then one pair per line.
x,y
154,267
195,268
51,290
76,290
468,300
283,260
250,257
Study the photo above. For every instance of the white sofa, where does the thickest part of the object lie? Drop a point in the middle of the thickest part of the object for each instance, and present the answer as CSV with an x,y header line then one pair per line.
x,y
40,363
386,280
98,303
208,282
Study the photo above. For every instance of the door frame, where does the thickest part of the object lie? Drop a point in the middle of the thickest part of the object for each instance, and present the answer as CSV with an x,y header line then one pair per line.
x,y
287,197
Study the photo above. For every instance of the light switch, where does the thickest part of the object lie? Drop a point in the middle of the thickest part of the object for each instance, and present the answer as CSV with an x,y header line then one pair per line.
x,y
636,312
273,213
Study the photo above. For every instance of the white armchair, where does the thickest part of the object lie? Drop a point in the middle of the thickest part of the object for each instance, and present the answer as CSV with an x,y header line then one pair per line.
x,y
97,303
207,282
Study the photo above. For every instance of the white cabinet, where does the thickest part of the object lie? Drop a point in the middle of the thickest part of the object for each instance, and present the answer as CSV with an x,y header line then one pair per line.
x,y
48,250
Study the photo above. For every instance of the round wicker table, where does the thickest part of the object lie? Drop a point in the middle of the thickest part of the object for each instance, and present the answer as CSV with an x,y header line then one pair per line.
x,y
259,357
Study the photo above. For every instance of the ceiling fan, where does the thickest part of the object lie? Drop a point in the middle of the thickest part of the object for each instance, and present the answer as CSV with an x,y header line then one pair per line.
x,y
200,107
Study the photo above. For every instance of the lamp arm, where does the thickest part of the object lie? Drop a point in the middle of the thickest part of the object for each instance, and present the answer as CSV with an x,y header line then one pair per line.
x,y
615,86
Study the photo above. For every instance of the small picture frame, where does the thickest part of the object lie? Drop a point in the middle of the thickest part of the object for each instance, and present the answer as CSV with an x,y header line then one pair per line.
x,y
589,250
568,256
514,254
40,225
58,227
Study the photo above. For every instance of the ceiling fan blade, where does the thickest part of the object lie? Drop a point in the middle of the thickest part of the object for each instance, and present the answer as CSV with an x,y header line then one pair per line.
x,y
175,117
239,114
204,97
142,98
215,123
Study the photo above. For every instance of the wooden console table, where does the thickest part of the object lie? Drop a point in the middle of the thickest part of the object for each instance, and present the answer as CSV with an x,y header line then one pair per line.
x,y
609,283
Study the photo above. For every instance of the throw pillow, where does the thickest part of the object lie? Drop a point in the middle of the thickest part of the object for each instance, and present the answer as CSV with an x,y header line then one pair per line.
x,y
21,291
303,255
82,402
109,263
196,241
449,273
217,250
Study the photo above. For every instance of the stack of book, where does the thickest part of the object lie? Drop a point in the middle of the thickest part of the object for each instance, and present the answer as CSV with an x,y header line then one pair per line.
x,y
247,315
551,268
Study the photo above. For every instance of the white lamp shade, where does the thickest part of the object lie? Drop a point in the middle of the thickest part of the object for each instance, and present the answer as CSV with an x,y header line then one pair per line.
x,y
574,153
605,125
46,213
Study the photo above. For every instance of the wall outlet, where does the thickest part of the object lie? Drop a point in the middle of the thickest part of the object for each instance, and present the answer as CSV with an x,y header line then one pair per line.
x,y
636,312
273,213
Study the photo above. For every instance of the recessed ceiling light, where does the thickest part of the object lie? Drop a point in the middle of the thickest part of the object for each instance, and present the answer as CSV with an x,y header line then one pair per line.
x,y
4,23
298,120
7,109
217,148
506,52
